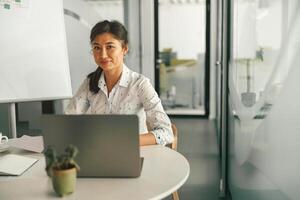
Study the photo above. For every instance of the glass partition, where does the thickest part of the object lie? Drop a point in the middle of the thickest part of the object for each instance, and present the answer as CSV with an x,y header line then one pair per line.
x,y
264,101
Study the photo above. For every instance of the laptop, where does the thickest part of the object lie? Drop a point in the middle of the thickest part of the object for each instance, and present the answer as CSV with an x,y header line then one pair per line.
x,y
108,144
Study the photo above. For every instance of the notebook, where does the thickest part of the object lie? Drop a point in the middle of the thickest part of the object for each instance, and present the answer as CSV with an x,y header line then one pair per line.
x,y
15,165
108,144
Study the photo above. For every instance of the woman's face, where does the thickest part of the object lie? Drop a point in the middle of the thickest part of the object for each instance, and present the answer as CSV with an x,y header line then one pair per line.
x,y
108,51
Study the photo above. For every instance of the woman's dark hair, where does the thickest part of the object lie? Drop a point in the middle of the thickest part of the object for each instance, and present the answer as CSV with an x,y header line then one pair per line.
x,y
119,32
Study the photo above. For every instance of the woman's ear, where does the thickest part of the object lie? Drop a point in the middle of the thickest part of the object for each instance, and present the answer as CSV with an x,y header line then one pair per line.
x,y
125,49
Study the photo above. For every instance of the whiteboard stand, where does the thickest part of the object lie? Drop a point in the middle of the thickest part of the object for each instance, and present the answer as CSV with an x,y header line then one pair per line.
x,y
13,124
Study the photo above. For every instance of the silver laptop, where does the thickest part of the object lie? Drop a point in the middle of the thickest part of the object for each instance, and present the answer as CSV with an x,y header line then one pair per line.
x,y
108,144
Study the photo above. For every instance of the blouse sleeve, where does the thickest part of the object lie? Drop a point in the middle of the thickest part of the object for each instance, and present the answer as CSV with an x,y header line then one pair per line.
x,y
79,103
157,120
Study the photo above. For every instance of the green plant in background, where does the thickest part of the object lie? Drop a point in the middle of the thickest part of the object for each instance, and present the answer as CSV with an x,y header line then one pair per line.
x,y
62,169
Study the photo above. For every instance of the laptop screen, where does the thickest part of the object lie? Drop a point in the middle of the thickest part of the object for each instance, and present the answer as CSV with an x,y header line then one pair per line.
x,y
108,144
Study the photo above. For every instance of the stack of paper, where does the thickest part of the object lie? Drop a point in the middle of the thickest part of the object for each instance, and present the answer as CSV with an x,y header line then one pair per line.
x,y
30,143
12,164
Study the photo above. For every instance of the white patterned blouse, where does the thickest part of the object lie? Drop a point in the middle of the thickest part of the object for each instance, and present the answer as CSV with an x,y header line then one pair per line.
x,y
133,94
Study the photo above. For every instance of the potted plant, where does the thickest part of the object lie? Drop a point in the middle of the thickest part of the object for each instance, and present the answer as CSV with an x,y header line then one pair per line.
x,y
63,169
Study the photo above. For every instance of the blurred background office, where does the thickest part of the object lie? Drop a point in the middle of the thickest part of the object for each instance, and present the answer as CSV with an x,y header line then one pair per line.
x,y
227,74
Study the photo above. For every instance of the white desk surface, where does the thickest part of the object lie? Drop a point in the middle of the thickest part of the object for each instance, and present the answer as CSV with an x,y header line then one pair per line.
x,y
164,171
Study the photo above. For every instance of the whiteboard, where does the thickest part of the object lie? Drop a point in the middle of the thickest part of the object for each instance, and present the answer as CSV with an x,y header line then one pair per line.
x,y
33,51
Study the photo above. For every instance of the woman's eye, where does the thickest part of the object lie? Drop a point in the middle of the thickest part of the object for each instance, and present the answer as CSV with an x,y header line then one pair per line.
x,y
110,47
96,48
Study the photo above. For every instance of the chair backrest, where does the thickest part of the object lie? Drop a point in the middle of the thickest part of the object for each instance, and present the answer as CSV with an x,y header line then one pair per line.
x,y
173,145
175,194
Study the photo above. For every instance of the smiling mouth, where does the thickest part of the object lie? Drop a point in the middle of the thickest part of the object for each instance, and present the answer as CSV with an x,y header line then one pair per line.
x,y
104,62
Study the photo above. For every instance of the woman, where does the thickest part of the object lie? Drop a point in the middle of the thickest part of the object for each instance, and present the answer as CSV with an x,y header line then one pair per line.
x,y
114,89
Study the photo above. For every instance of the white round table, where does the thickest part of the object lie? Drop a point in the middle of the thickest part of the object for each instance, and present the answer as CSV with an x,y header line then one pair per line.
x,y
164,171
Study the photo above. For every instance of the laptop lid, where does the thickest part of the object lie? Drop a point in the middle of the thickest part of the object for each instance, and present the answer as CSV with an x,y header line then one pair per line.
x,y
108,144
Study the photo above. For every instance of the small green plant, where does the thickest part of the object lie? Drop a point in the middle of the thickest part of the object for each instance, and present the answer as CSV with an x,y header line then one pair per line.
x,y
60,162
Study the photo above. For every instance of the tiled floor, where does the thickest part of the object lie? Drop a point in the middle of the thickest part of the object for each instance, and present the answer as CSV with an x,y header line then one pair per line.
x,y
197,142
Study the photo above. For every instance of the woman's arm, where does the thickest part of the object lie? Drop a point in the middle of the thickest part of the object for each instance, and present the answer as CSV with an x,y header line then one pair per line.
x,y
147,139
158,122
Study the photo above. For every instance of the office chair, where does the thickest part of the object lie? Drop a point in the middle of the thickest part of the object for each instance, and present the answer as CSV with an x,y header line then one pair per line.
x,y
173,146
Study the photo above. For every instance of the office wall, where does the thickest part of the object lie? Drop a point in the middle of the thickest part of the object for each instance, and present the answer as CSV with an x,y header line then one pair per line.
x,y
111,10
147,39
78,39
264,135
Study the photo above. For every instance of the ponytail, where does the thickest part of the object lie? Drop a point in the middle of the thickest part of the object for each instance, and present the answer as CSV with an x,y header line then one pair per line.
x,y
94,80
